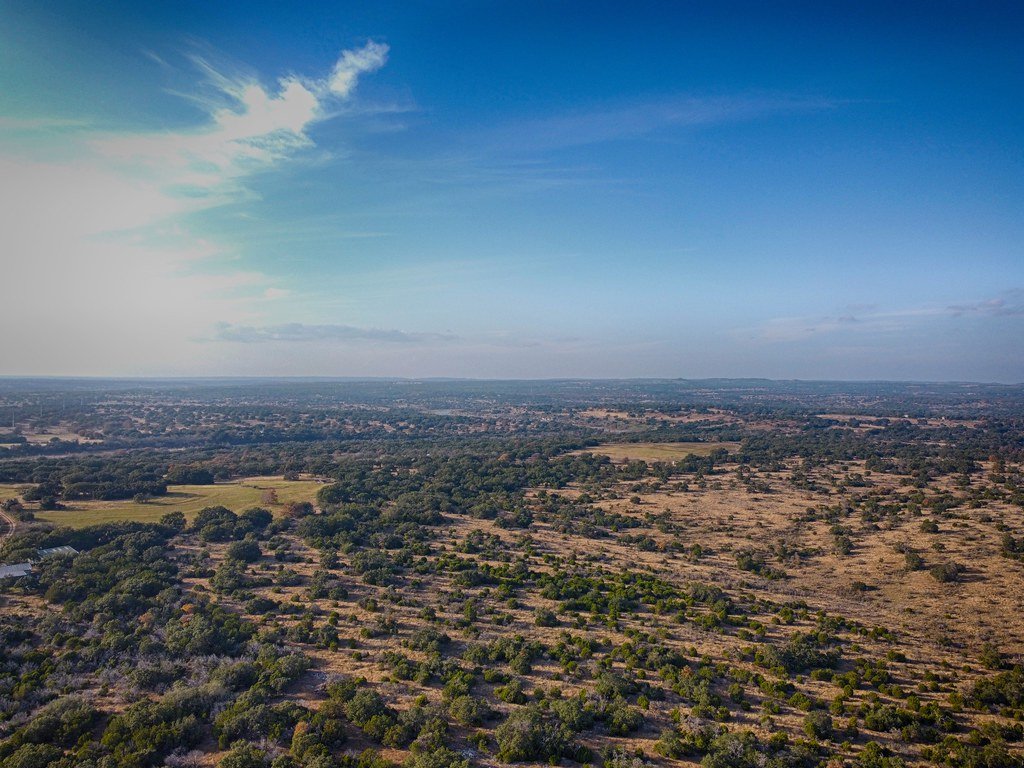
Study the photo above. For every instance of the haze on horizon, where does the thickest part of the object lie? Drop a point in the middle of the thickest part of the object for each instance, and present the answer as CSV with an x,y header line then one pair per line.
x,y
513,190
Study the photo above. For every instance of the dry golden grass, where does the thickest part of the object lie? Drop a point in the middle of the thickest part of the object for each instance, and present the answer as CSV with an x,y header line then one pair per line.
x,y
723,517
946,621
656,451
64,431
938,626
12,490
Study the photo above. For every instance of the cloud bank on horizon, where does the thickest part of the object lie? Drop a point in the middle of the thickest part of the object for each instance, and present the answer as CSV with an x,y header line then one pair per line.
x,y
702,203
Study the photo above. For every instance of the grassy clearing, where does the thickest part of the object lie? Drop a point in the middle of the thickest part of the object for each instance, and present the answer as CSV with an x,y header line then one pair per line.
x,y
236,495
657,451
9,490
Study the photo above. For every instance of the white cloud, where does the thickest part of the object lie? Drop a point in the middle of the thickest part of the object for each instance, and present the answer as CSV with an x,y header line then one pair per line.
x,y
100,263
254,130
369,58
299,332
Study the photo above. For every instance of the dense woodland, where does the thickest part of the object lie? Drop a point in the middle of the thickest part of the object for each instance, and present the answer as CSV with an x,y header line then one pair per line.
x,y
476,583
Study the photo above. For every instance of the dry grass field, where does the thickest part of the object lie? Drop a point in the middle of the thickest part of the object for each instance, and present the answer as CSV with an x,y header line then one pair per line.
x,y
936,626
656,451
870,583
61,431
236,494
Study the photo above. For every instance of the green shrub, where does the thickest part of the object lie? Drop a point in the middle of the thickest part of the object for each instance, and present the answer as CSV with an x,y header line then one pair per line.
x,y
946,573
246,551
818,725
468,710
622,719
511,692
245,755
32,756
545,617
528,736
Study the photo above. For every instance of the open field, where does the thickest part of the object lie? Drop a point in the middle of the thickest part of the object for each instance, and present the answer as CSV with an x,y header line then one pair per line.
x,y
656,451
860,572
603,414
874,421
11,490
63,432
236,494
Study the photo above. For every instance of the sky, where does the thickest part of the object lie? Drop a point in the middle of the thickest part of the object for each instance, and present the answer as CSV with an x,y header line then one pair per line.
x,y
513,189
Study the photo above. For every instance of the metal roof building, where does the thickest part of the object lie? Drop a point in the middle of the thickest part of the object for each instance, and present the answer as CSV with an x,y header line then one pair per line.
x,y
55,551
15,571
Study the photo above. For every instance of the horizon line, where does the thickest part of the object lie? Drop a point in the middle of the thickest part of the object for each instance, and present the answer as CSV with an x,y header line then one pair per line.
x,y
454,379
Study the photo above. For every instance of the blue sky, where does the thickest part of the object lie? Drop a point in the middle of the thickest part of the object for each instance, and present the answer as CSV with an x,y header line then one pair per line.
x,y
807,190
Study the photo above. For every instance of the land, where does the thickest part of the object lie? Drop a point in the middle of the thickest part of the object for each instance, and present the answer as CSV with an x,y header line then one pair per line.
x,y
273,493
658,451
445,574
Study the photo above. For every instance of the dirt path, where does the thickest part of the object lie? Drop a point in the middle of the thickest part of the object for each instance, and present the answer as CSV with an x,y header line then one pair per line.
x,y
7,525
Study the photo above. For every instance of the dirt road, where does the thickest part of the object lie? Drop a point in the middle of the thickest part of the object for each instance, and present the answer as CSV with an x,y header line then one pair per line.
x,y
7,525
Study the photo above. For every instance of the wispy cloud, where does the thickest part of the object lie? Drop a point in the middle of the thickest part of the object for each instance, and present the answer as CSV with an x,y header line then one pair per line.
x,y
352,64
249,128
36,124
643,118
869,319
1010,304
102,217
289,333
299,332
126,179
528,155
